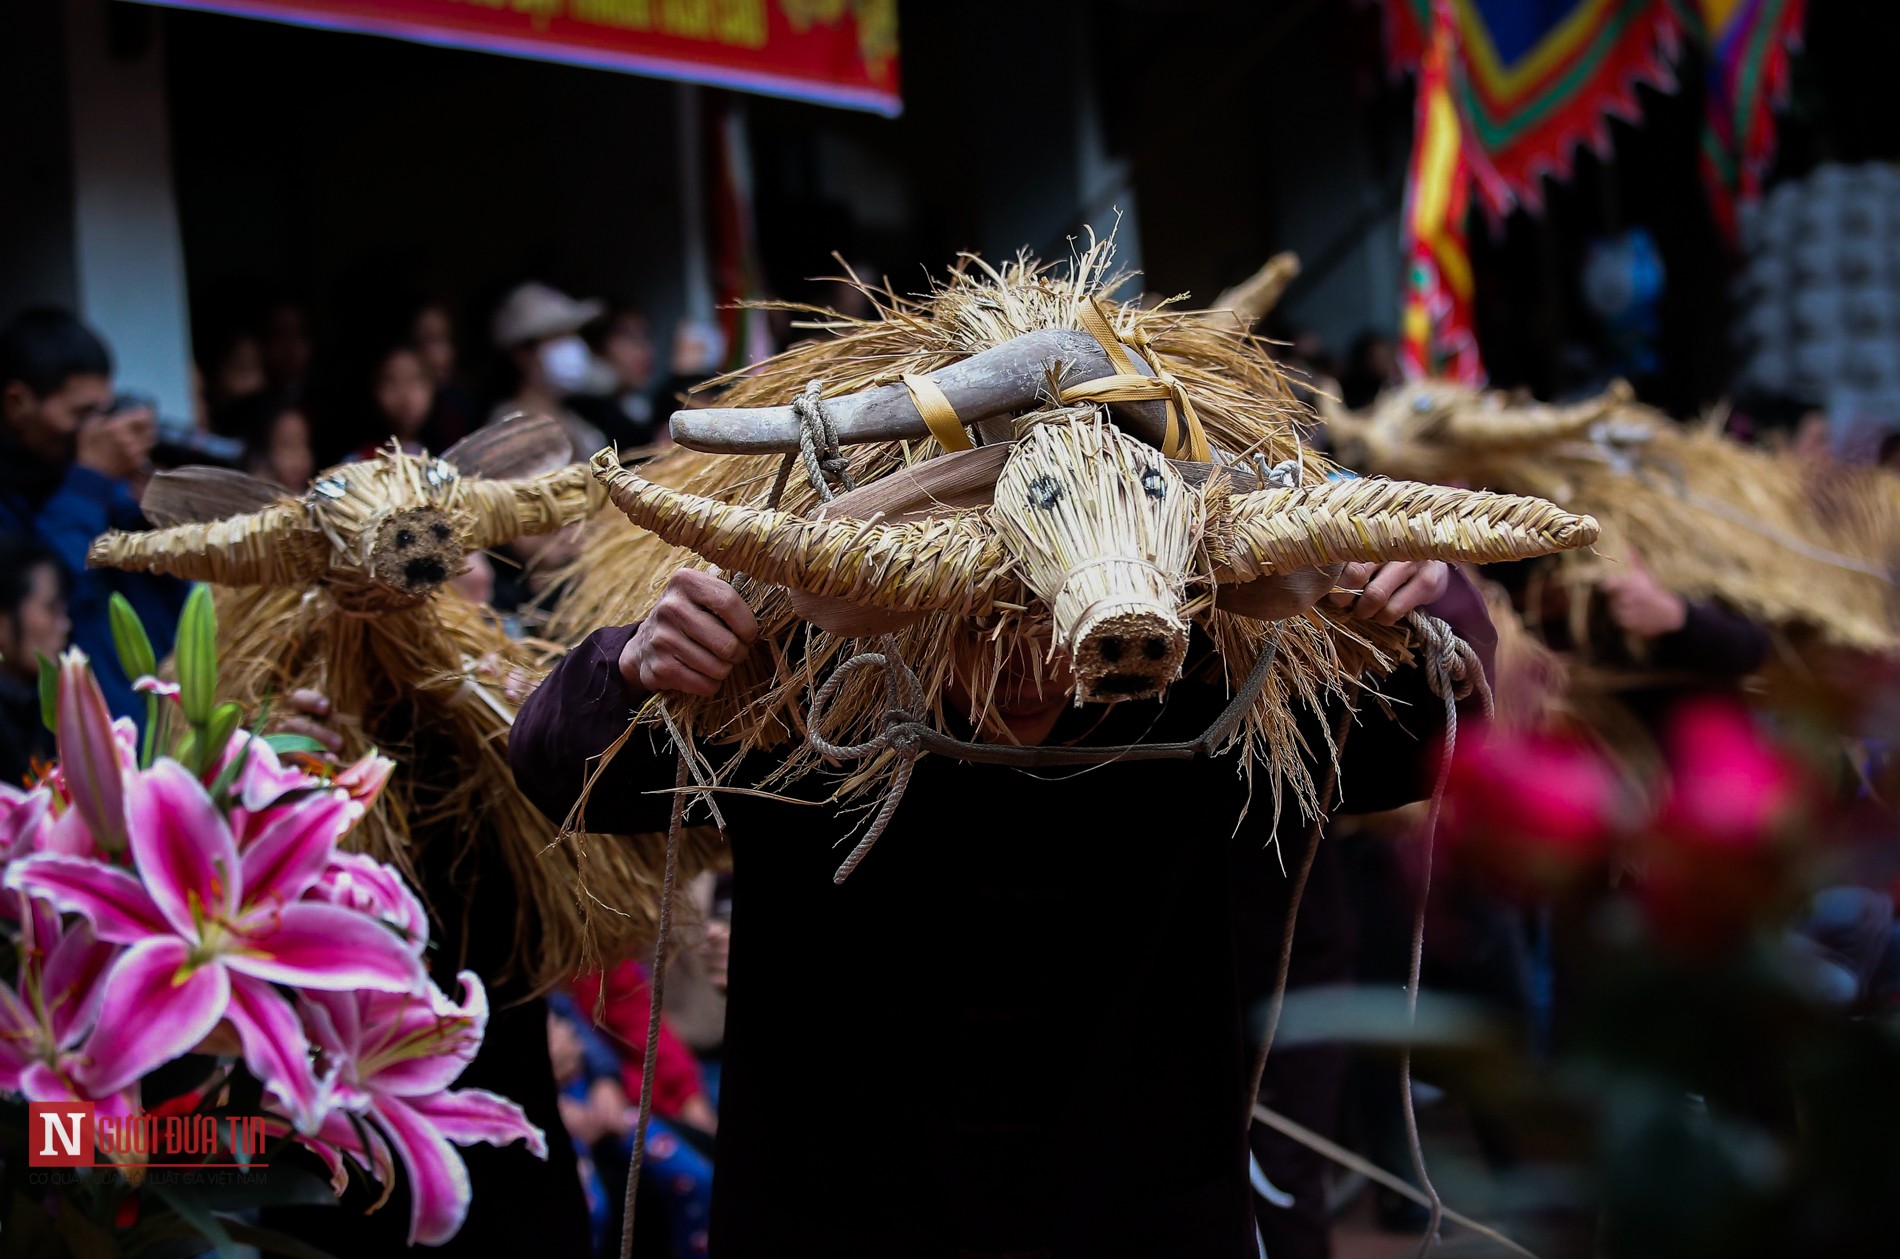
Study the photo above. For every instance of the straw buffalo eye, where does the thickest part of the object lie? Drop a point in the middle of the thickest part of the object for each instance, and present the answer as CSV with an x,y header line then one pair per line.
x,y
1152,483
1045,491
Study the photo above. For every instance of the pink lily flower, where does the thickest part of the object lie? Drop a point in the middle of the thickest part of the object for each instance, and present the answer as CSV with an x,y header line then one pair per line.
x,y
44,1020
393,1058
212,930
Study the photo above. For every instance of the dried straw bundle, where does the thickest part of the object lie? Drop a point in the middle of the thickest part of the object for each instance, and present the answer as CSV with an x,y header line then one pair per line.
x,y
341,591
1809,546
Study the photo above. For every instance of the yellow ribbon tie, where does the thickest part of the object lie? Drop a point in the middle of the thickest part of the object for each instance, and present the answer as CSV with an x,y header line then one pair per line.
x,y
935,407
1183,438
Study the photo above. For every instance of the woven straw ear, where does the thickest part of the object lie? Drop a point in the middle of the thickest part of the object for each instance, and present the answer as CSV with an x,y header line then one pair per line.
x,y
270,547
501,511
938,565
1275,531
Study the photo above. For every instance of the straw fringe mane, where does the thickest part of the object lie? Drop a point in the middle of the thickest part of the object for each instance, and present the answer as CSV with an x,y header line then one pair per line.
x,y
1243,401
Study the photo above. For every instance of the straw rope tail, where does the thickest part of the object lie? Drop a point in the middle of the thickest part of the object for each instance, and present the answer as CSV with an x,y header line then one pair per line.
x,y
1453,672
655,995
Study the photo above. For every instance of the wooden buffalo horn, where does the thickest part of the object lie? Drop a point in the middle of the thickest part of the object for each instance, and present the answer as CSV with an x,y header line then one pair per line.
x,y
1002,380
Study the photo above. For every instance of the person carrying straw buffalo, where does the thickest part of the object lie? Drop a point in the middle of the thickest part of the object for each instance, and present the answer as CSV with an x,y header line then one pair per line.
x,y
980,723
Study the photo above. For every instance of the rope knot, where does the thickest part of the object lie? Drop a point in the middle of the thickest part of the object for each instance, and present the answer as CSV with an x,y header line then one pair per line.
x,y
825,463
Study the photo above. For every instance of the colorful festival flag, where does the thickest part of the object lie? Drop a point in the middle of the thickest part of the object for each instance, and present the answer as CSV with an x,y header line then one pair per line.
x,y
1535,79
1436,333
1746,46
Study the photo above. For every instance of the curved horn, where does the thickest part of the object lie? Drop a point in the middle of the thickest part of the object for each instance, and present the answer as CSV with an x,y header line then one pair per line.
x,y
1274,531
273,547
936,565
1013,376
505,510
1254,296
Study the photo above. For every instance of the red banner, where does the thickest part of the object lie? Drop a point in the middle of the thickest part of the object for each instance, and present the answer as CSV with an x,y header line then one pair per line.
x,y
836,52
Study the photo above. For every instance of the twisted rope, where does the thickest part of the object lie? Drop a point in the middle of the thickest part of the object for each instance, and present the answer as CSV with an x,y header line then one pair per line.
x,y
1313,836
656,994
1453,672
818,447
903,716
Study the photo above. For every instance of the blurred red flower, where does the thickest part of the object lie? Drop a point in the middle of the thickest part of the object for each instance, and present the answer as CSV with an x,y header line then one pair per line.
x,y
1529,811
1729,785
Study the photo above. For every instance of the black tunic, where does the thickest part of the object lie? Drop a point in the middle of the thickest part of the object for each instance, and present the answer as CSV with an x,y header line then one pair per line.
x,y
519,1205
1016,1028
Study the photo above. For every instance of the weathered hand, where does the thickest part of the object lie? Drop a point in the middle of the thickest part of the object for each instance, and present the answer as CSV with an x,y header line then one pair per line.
x,y
1640,605
691,640
310,715
1388,593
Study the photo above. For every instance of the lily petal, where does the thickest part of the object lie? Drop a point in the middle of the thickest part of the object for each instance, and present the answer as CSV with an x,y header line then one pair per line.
x,y
73,982
19,1039
275,1049
292,849
154,1010
265,779
310,945
23,814
183,847
451,1033
438,1179
470,1115
113,900
360,882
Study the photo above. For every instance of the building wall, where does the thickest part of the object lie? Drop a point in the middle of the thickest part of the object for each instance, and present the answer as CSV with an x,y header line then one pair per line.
x,y
88,221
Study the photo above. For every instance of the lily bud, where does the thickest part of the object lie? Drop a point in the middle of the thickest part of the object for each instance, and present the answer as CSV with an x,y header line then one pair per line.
x,y
90,757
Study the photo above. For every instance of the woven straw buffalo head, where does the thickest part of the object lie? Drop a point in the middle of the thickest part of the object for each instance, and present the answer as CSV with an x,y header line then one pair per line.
x,y
382,534
1071,506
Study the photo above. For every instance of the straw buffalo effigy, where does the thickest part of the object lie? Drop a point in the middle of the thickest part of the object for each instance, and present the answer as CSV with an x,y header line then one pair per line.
x,y
1806,545
1008,468
342,590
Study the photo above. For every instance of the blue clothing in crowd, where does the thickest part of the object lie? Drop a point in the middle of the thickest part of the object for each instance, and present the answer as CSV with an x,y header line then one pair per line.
x,y
82,505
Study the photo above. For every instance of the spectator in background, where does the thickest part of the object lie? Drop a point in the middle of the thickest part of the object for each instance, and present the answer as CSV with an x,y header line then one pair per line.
x,y
454,416
401,399
68,462
625,413
1372,365
539,329
284,347
33,624
233,366
276,436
